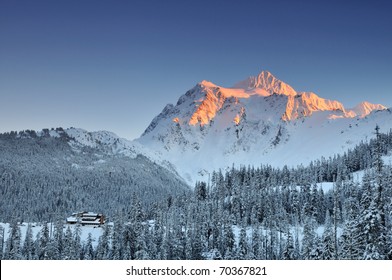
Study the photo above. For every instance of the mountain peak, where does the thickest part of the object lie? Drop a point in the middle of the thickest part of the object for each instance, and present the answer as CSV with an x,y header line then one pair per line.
x,y
260,119
207,84
268,82
365,108
266,75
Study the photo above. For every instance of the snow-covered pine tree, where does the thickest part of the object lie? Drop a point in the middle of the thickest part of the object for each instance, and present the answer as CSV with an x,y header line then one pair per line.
x,y
77,242
242,249
375,233
328,240
68,252
308,240
28,244
129,242
165,246
348,249
141,247
13,250
188,245
256,242
229,240
289,250
43,242
117,240
59,239
2,231
89,253
317,251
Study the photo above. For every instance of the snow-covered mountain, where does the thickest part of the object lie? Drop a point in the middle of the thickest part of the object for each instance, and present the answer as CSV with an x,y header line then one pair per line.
x,y
106,141
260,120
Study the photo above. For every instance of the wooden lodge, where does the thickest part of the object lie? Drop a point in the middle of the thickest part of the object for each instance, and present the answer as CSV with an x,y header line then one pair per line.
x,y
86,218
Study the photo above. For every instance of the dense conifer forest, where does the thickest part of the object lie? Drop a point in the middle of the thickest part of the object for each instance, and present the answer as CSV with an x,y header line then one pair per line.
x,y
44,178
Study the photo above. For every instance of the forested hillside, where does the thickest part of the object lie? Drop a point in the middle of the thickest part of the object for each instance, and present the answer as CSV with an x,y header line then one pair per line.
x,y
44,178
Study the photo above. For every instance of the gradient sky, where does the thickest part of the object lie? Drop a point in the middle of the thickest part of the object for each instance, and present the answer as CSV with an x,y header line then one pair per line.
x,y
114,65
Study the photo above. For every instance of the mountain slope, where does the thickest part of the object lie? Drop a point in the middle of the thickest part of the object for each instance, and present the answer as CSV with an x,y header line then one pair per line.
x,y
259,120
49,174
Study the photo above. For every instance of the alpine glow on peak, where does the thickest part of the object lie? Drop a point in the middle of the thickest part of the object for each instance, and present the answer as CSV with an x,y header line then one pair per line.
x,y
259,120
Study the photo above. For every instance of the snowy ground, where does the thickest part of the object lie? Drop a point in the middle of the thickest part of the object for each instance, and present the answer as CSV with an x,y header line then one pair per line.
x,y
95,231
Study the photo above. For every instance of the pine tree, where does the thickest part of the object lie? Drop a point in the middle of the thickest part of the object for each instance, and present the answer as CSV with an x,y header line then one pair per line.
x,y
136,215
336,220
328,241
375,234
178,244
197,238
88,248
297,253
103,248
188,245
43,243
13,245
165,247
52,250
256,243
117,241
378,164
59,239
201,190
348,245
141,248
242,250
28,244
157,239
272,246
68,252
1,242
308,241
289,250
77,242
129,242
229,241
317,250
150,244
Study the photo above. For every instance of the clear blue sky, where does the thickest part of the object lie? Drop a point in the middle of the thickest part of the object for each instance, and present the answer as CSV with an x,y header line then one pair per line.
x,y
114,65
